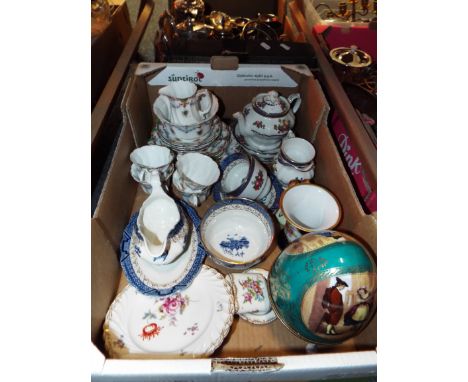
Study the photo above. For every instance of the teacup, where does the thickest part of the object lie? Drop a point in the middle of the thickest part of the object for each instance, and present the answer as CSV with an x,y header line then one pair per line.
x,y
147,161
194,176
244,176
295,161
197,171
308,207
251,293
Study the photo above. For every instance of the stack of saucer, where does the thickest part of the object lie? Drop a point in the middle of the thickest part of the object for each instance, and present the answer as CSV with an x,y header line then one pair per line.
x,y
187,121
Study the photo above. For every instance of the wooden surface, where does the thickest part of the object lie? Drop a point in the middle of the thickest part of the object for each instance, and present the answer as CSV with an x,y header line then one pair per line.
x,y
108,95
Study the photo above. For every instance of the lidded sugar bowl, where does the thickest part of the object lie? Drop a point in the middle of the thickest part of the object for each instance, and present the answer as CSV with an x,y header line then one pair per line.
x,y
323,287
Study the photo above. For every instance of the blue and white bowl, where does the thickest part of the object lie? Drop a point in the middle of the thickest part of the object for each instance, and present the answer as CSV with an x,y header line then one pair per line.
x,y
237,233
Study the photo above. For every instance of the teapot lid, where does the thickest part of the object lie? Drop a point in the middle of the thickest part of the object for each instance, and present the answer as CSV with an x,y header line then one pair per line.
x,y
270,104
351,56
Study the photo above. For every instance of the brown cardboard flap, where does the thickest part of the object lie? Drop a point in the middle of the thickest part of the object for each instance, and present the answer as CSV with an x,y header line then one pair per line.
x,y
331,173
119,190
224,63
105,274
137,110
313,112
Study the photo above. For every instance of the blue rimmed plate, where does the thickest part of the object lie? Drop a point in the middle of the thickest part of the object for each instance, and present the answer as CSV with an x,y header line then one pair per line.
x,y
161,280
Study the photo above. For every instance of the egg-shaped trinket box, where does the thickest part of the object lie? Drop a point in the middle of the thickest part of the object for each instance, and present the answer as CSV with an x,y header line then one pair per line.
x,y
323,287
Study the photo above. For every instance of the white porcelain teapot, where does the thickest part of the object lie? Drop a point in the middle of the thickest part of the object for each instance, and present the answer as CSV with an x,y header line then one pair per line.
x,y
265,121
182,104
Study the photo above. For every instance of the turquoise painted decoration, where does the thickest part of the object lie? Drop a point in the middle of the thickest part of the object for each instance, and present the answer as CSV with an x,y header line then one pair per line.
x,y
323,287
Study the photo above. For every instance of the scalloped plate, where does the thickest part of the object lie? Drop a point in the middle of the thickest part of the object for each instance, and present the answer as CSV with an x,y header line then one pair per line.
x,y
190,323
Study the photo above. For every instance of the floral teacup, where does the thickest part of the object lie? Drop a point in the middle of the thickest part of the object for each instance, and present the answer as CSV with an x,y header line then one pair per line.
x,y
251,293
245,177
149,161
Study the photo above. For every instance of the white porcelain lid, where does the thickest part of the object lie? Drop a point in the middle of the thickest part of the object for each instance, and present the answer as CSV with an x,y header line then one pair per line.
x,y
192,322
270,104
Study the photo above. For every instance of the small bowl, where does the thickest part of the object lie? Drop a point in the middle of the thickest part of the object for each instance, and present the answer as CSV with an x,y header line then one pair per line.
x,y
237,233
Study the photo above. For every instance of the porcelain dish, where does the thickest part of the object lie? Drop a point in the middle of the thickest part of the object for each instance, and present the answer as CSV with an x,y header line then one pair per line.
x,y
161,280
237,233
190,323
256,318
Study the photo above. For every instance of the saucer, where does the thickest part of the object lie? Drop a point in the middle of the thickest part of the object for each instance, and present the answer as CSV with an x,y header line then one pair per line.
x,y
190,145
259,319
264,156
161,280
276,188
190,323
215,148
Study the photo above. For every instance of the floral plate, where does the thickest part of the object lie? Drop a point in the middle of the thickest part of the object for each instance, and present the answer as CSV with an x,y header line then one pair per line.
x,y
161,280
259,319
190,323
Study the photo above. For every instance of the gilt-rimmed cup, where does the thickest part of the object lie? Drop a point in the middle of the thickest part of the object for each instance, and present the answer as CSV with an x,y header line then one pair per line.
x,y
307,208
244,176
147,161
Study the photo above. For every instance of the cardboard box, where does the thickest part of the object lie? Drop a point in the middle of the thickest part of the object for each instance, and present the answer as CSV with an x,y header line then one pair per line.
x,y
285,356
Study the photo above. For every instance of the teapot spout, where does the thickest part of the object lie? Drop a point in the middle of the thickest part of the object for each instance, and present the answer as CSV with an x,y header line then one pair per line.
x,y
240,121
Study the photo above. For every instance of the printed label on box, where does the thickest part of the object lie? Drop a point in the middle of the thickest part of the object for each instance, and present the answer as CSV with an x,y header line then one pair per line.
x,y
203,75
354,163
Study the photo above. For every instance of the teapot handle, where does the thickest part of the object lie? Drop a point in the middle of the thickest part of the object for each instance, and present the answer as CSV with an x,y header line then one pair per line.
x,y
200,94
295,100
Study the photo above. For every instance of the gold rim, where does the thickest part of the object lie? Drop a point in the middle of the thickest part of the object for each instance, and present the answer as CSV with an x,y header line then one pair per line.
x,y
294,184
126,354
219,258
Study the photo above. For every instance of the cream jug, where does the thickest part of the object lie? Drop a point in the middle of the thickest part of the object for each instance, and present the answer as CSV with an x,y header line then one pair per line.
x,y
162,226
180,103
